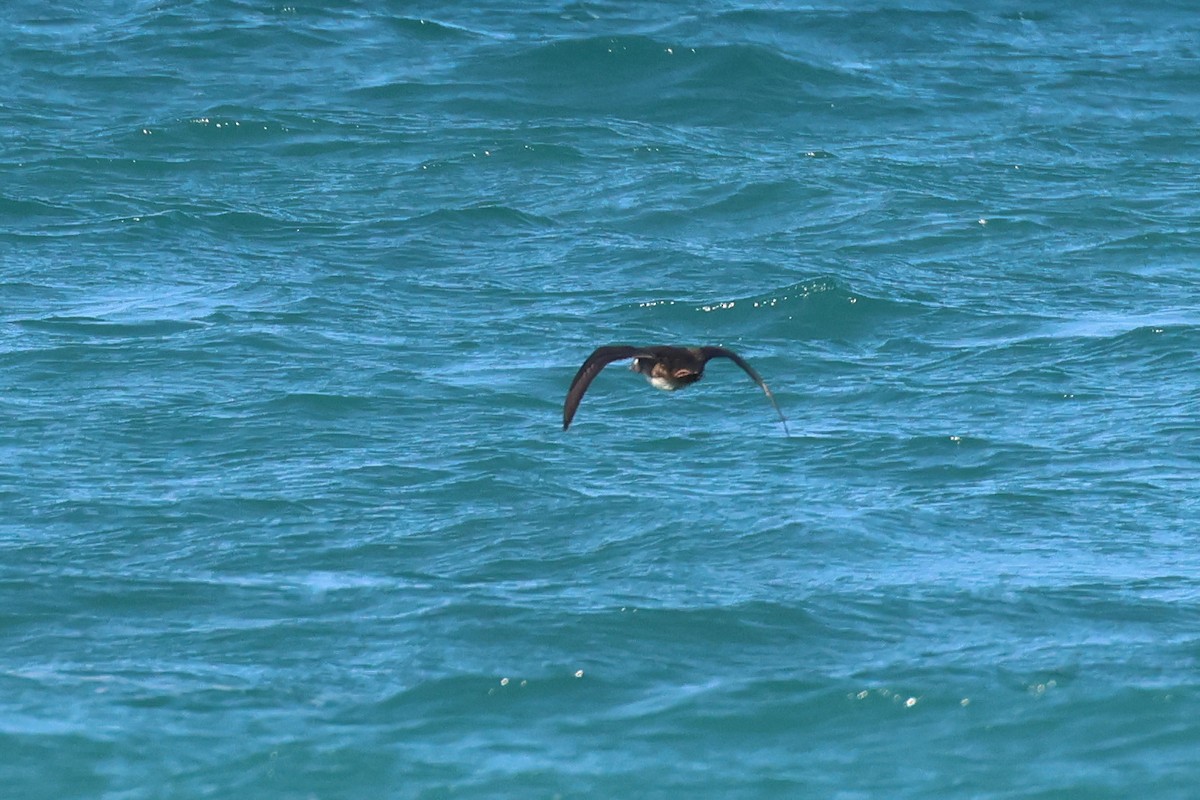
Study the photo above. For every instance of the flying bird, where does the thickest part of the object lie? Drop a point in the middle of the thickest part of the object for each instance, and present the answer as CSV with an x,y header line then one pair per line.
x,y
666,367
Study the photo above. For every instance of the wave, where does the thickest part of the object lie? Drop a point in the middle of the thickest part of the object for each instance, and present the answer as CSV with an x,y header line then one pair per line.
x,y
470,219
95,328
649,78
821,307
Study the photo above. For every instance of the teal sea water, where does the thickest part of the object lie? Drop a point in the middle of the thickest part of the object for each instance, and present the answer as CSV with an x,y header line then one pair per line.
x,y
290,296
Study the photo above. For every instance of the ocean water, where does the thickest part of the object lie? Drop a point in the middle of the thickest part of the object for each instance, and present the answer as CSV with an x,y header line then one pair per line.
x,y
290,297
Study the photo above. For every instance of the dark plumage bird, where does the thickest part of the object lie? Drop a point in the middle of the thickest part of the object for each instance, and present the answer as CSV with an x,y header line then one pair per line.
x,y
668,368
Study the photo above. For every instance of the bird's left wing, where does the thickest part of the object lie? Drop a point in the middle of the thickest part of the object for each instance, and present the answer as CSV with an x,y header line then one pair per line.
x,y
601,358
714,352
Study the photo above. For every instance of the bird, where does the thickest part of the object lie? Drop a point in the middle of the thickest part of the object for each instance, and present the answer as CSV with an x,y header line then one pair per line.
x,y
666,367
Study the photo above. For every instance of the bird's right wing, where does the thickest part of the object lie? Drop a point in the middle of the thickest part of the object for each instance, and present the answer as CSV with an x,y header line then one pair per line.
x,y
724,352
601,358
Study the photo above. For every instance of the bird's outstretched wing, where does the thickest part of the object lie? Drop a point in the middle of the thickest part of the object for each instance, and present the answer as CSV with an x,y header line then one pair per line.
x,y
713,352
601,358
